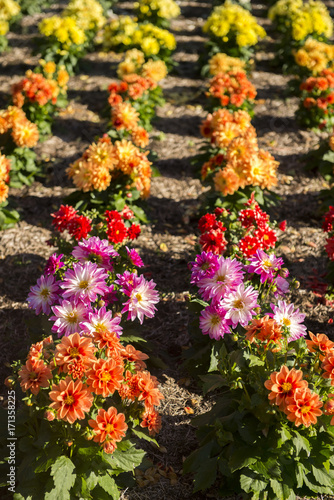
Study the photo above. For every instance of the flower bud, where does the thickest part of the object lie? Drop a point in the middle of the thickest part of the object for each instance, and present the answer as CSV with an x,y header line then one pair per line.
x,y
10,382
296,285
49,415
284,273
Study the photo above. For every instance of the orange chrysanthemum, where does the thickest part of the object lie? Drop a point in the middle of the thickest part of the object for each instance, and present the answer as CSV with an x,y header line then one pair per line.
x,y
4,190
152,420
140,137
303,407
105,376
109,426
104,338
74,348
34,375
321,344
283,384
129,389
72,400
25,133
124,116
226,181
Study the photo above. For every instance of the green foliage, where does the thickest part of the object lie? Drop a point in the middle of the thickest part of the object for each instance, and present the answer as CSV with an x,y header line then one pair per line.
x,y
24,168
8,215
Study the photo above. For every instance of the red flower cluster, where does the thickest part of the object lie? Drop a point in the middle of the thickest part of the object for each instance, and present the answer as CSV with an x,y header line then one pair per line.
x,y
35,88
132,87
117,231
67,218
231,88
258,232
212,237
321,89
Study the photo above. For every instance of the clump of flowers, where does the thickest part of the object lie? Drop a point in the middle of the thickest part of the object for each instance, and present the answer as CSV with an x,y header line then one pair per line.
x,y
275,400
239,234
90,391
64,41
8,216
111,173
232,30
9,9
297,21
123,34
233,160
316,109
17,136
231,90
222,63
133,102
119,227
158,12
134,62
314,56
41,96
88,14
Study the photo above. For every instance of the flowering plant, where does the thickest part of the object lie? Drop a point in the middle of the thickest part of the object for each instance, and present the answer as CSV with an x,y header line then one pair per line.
x,y
231,90
40,96
328,227
222,63
158,12
297,20
134,62
88,14
8,216
17,136
133,102
108,174
124,33
64,41
232,160
232,30
313,57
119,227
316,109
270,433
28,7
92,384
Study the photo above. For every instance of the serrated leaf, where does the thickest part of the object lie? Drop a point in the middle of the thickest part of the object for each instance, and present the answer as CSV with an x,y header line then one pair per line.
x,y
282,490
108,484
125,461
63,477
142,435
206,474
322,476
250,483
242,457
212,382
301,443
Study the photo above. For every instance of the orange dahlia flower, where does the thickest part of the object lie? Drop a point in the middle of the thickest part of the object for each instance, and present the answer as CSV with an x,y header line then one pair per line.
x,y
226,181
34,375
140,137
328,367
283,385
109,426
124,116
132,355
104,377
72,400
149,392
303,407
321,344
329,407
104,338
152,420
265,330
74,348
25,133
4,190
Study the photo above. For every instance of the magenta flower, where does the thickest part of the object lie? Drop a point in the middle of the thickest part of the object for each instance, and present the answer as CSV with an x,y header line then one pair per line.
x,y
282,286
85,282
226,277
213,322
204,266
134,258
126,281
240,304
265,265
95,250
44,294
101,320
142,298
68,316
285,315
54,263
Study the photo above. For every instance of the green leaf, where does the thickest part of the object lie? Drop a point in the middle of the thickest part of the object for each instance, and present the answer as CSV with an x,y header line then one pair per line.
x,y
301,443
284,435
250,483
212,382
206,474
242,457
282,490
300,474
91,480
125,461
143,435
109,485
329,156
63,477
322,476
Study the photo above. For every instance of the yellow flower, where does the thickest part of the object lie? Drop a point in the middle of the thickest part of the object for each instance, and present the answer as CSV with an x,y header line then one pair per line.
x,y
64,29
87,13
8,9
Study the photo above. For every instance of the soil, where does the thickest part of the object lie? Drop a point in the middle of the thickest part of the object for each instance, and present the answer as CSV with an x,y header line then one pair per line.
x,y
167,244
